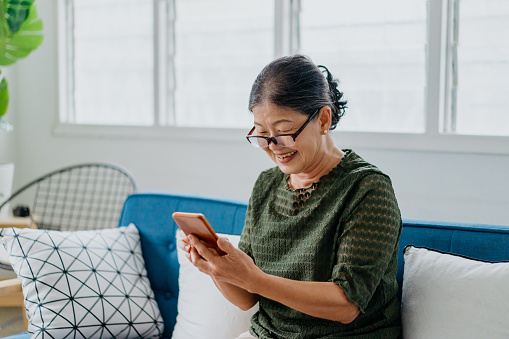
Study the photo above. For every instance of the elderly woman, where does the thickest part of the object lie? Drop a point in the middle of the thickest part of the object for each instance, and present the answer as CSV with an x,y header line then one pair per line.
x,y
319,248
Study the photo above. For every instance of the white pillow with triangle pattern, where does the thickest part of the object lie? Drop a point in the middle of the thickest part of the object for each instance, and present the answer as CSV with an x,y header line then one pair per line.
x,y
84,284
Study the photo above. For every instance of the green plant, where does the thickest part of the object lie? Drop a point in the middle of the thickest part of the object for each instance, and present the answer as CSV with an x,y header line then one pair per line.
x,y
20,34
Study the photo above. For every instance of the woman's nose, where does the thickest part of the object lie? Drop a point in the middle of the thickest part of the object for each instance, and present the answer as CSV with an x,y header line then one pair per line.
x,y
273,145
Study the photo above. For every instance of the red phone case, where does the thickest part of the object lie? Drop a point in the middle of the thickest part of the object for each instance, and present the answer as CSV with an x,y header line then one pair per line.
x,y
198,225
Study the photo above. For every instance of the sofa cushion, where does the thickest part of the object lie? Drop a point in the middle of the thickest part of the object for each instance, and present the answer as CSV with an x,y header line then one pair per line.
x,y
203,312
151,213
86,284
480,241
450,296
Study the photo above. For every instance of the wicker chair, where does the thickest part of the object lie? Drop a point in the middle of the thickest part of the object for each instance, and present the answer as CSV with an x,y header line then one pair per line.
x,y
79,197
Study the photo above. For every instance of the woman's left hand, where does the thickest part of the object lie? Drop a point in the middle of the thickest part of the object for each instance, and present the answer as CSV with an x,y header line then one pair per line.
x,y
235,268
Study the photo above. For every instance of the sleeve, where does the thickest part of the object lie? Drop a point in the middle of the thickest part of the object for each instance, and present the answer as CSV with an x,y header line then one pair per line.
x,y
245,237
258,194
254,200
368,241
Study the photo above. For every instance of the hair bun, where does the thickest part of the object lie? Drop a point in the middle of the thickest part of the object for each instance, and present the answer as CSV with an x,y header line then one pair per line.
x,y
338,105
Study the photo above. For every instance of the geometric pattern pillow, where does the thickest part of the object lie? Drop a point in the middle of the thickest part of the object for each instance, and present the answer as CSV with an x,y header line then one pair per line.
x,y
84,284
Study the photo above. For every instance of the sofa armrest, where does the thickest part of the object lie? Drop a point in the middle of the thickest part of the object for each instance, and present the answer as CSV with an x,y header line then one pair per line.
x,y
10,286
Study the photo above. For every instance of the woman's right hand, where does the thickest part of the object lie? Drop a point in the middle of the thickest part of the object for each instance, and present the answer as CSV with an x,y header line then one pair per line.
x,y
183,243
235,267
229,272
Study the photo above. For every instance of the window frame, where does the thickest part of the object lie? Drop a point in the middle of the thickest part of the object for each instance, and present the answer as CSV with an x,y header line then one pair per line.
x,y
439,135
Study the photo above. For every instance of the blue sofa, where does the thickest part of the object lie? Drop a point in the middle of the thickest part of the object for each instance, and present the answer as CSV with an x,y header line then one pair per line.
x,y
151,213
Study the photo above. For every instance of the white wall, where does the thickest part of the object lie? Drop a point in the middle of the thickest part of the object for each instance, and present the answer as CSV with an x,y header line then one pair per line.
x,y
7,146
8,139
433,185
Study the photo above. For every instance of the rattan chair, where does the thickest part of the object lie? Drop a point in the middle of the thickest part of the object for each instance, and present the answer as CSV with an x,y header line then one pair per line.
x,y
80,197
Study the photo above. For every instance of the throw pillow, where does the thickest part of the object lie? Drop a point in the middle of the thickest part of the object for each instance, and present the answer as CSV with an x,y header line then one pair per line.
x,y
84,284
450,296
203,312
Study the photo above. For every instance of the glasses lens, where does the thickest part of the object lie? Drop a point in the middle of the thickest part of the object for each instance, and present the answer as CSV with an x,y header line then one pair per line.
x,y
285,140
258,141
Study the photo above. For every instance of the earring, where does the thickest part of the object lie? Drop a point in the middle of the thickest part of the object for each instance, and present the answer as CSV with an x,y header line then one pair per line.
x,y
325,132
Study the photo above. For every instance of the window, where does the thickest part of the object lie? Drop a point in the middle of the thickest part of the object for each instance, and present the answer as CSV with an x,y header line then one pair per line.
x,y
220,47
168,62
480,67
377,50
416,69
113,49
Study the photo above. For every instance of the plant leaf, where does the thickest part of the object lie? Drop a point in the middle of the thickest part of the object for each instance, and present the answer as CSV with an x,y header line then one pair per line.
x,y
29,36
16,12
4,97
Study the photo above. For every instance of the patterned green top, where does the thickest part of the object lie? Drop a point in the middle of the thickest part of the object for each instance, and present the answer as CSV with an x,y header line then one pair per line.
x,y
345,229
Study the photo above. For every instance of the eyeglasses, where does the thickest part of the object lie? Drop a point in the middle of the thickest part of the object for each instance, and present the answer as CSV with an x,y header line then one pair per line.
x,y
284,140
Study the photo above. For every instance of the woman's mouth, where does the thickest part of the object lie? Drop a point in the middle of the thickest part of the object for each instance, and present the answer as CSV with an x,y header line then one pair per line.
x,y
285,157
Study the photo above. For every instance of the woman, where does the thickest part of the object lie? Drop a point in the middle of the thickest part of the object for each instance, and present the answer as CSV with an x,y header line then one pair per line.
x,y
319,248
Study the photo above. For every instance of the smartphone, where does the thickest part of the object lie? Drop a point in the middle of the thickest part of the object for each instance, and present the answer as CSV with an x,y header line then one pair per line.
x,y
196,224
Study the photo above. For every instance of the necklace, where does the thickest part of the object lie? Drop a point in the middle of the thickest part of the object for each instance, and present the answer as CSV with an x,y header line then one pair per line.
x,y
289,182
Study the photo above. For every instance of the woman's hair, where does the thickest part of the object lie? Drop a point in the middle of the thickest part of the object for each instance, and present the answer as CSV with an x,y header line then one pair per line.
x,y
296,82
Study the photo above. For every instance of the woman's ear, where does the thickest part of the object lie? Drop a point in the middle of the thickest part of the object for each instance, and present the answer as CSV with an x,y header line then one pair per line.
x,y
325,118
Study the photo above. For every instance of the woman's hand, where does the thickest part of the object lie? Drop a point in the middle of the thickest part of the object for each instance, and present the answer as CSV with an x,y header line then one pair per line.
x,y
234,268
185,245
229,272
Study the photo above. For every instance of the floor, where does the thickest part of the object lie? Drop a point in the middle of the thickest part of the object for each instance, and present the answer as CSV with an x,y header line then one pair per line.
x,y
11,321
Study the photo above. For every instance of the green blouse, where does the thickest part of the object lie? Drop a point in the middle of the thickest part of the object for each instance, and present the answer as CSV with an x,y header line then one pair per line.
x,y
345,229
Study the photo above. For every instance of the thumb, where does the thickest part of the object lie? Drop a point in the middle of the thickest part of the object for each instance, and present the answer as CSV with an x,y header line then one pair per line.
x,y
225,245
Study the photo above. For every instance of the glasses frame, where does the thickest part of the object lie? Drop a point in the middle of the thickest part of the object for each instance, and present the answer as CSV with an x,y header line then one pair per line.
x,y
274,138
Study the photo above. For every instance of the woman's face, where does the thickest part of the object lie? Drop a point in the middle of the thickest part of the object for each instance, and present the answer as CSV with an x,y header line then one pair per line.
x,y
271,120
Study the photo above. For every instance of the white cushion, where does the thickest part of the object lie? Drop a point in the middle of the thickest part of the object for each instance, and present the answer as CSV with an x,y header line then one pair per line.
x,y
203,312
85,284
448,296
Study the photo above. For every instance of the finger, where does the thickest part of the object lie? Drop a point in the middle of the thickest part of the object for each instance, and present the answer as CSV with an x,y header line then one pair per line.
x,y
197,260
200,247
182,236
184,245
194,256
225,245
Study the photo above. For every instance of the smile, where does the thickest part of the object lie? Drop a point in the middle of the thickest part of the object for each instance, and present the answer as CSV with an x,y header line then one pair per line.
x,y
283,156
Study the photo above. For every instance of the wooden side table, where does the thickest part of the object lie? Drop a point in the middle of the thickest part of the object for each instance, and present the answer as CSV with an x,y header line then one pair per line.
x,y
11,294
18,222
26,222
